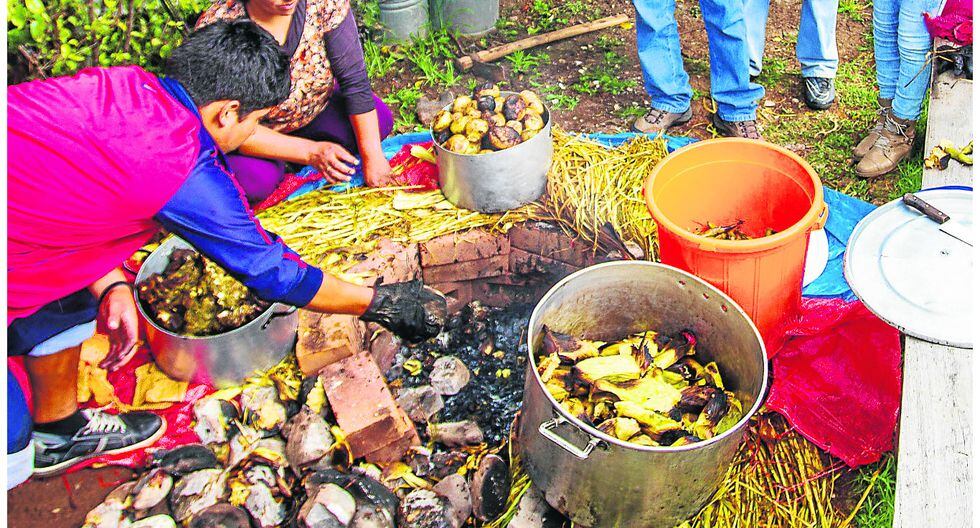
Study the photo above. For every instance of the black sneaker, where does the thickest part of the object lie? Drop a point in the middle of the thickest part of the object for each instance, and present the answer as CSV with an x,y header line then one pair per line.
x,y
818,92
105,434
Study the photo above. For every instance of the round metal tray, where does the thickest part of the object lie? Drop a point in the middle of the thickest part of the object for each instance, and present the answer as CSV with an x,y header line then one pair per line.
x,y
913,276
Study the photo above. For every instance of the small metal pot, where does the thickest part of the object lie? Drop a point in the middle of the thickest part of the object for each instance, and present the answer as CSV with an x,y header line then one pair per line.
x,y
601,481
224,359
497,181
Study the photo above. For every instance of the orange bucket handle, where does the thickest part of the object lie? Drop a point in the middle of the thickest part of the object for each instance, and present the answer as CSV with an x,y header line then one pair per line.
x,y
821,218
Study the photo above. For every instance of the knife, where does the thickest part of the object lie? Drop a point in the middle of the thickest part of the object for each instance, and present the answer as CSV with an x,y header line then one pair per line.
x,y
952,228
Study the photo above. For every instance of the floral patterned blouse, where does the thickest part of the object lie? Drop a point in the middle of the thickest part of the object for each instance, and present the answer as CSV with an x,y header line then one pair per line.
x,y
310,72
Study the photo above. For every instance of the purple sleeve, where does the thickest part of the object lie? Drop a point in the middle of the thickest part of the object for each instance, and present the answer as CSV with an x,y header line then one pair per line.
x,y
210,212
347,63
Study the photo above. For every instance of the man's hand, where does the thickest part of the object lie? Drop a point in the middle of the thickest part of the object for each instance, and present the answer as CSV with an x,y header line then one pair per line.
x,y
117,314
377,172
332,160
411,310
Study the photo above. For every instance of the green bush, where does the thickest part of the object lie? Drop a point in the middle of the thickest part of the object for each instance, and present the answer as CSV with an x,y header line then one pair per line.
x,y
59,37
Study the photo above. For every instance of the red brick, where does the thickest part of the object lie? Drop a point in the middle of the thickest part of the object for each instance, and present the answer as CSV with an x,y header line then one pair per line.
x,y
391,261
384,346
475,244
525,263
549,241
394,451
364,407
467,270
323,339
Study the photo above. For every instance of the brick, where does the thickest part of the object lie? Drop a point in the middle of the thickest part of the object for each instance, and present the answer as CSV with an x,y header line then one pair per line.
x,y
391,261
362,403
323,339
468,270
525,263
383,345
549,241
396,450
475,244
504,295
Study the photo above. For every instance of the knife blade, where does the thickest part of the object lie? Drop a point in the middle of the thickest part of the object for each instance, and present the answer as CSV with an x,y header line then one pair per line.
x,y
951,227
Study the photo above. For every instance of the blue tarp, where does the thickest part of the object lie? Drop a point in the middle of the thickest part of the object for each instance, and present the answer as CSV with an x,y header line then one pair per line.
x,y
844,211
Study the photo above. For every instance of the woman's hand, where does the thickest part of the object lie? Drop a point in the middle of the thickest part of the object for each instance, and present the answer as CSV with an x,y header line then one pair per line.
x,y
332,160
117,314
377,172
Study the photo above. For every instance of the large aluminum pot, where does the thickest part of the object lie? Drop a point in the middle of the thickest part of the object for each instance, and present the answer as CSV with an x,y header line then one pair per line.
x,y
598,480
497,181
224,359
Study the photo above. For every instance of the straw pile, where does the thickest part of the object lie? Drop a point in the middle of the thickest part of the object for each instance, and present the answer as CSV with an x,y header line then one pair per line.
x,y
591,185
325,222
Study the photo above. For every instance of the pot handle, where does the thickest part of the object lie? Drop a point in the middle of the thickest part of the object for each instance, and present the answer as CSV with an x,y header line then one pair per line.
x,y
547,430
289,310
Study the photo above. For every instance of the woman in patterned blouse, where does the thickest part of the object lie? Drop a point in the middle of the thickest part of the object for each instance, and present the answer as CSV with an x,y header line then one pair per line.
x,y
331,110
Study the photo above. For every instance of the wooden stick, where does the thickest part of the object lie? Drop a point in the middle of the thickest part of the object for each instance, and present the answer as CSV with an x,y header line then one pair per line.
x,y
492,54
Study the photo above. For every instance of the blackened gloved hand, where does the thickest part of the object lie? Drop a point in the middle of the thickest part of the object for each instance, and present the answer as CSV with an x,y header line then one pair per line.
x,y
410,309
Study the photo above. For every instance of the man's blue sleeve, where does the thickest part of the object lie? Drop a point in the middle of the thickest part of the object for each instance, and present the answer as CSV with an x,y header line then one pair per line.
x,y
210,212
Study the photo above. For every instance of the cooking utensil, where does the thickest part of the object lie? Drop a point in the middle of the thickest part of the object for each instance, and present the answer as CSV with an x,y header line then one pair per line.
x,y
598,480
498,181
950,227
912,279
224,359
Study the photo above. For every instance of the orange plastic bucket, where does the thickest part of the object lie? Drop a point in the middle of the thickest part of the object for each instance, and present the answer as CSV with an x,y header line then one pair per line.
x,y
726,180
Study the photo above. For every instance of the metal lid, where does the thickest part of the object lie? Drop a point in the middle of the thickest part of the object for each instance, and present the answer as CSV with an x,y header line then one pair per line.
x,y
913,276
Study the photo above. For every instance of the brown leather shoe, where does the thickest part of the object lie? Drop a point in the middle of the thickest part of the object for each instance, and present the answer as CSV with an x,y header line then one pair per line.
x,y
656,121
862,148
742,129
892,146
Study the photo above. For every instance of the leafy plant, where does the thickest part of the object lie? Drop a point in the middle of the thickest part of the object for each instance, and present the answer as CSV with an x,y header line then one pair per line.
x,y
58,37
523,62
405,100
377,59
553,96
431,55
608,43
632,112
507,28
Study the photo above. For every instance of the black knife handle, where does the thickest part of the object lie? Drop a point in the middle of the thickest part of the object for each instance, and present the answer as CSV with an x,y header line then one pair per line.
x,y
923,207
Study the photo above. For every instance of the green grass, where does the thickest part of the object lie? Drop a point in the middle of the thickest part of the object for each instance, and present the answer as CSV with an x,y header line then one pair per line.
x,y
431,56
606,78
631,112
524,62
878,509
773,71
856,10
378,61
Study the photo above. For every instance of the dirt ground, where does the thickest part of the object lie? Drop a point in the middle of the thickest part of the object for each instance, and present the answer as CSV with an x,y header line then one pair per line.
x,y
609,59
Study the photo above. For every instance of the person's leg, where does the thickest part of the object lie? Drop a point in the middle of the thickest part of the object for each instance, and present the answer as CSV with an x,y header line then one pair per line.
x,y
885,27
53,381
816,45
756,17
333,124
736,96
914,72
258,177
659,51
20,449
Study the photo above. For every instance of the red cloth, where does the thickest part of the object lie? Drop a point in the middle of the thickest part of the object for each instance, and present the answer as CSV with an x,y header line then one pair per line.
x,y
92,158
838,380
287,186
179,417
416,171
954,24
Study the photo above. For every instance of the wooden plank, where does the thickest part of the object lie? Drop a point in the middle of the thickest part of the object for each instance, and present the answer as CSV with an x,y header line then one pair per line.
x,y
933,485
935,437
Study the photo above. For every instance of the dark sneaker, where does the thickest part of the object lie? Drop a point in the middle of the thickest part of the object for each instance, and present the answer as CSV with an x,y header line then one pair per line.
x,y
742,129
656,121
818,92
105,434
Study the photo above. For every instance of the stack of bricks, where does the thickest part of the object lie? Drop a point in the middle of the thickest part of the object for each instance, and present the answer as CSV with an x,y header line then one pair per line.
x,y
351,357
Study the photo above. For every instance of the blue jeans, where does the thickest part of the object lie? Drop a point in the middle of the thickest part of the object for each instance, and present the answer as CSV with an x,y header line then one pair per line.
x,y
816,43
659,48
902,44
